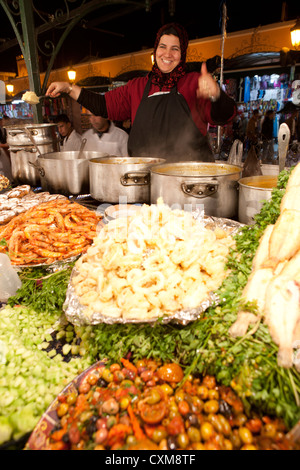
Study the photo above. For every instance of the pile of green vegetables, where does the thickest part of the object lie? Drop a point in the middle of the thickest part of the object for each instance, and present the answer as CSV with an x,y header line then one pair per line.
x,y
248,364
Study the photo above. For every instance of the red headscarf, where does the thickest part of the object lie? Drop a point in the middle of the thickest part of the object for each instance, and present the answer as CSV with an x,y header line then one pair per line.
x,y
168,80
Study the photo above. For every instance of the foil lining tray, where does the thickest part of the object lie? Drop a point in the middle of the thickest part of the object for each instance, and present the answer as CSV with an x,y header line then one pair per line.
x,y
51,268
75,311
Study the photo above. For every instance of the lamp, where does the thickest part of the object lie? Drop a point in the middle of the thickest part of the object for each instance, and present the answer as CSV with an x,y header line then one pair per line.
x,y
295,34
10,87
71,75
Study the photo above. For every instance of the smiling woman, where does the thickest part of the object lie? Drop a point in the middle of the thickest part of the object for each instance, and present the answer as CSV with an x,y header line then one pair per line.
x,y
170,109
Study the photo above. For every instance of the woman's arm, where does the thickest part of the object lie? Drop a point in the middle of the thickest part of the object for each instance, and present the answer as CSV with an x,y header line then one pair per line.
x,y
92,101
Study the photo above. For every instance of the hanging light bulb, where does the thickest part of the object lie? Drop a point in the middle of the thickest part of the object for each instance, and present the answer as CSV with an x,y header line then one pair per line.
x,y
10,88
71,75
295,34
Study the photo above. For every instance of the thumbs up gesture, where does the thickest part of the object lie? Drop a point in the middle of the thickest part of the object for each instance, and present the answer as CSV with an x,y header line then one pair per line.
x,y
207,86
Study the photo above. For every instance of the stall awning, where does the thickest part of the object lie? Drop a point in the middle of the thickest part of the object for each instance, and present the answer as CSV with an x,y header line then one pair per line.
x,y
262,62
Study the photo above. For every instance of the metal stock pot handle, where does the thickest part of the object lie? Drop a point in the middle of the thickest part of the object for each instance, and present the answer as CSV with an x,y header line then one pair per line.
x,y
23,149
15,132
137,178
200,190
38,167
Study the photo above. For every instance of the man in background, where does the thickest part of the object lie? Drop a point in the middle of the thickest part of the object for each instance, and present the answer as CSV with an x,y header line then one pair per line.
x,y
105,137
70,138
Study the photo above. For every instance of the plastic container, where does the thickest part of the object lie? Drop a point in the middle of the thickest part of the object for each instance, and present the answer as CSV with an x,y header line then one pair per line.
x,y
9,279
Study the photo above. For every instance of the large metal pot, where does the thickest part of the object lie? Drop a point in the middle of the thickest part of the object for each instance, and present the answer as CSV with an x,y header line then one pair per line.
x,y
253,191
121,179
41,133
64,172
21,156
198,185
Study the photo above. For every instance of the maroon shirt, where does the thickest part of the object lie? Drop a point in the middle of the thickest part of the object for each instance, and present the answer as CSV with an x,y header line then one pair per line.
x,y
122,103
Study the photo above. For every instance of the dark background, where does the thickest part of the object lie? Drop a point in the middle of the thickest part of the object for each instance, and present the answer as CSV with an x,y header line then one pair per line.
x,y
114,29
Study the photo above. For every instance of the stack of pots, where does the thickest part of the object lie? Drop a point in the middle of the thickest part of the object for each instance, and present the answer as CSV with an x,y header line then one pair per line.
x,y
26,142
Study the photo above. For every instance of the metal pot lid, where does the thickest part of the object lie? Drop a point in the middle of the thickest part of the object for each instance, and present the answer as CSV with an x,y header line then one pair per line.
x,y
192,168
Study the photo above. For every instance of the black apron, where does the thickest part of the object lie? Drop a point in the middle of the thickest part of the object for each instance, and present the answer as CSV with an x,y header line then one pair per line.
x,y
164,128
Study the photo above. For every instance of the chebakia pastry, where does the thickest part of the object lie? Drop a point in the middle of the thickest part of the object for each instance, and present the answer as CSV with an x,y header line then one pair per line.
x,y
30,97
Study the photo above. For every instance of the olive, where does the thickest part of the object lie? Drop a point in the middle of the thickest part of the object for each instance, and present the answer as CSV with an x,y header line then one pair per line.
x,y
207,430
130,440
226,428
62,409
172,444
225,408
102,383
202,392
159,434
71,398
228,444
269,430
183,440
107,375
240,420
194,434
154,397
167,389
211,406
245,435
249,447
192,419
111,421
91,427
66,438
213,394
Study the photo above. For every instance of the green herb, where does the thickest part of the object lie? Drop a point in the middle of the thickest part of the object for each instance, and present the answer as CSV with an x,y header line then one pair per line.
x,y
41,290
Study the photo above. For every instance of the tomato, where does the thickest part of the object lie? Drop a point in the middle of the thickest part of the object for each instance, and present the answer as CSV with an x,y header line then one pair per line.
x,y
255,425
176,426
170,373
153,414
74,434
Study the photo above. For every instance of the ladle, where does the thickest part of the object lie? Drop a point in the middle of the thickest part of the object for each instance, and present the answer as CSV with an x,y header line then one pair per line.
x,y
82,145
29,135
283,143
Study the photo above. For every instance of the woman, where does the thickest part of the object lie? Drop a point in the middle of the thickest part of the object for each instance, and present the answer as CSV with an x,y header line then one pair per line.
x,y
169,109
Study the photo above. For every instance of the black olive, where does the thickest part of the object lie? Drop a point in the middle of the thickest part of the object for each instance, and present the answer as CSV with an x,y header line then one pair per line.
x,y
66,438
171,442
225,408
91,427
192,419
102,383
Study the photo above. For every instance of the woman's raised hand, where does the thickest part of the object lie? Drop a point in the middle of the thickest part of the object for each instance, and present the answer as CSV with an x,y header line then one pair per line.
x,y
207,85
56,88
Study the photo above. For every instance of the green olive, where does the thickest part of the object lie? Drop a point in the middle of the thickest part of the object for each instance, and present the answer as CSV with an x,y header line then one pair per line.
x,y
194,434
107,375
130,440
245,435
154,397
202,392
206,430
211,406
62,409
226,428
269,430
159,434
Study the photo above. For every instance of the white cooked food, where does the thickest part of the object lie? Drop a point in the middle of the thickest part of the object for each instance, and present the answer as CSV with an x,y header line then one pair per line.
x,y
152,264
30,97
